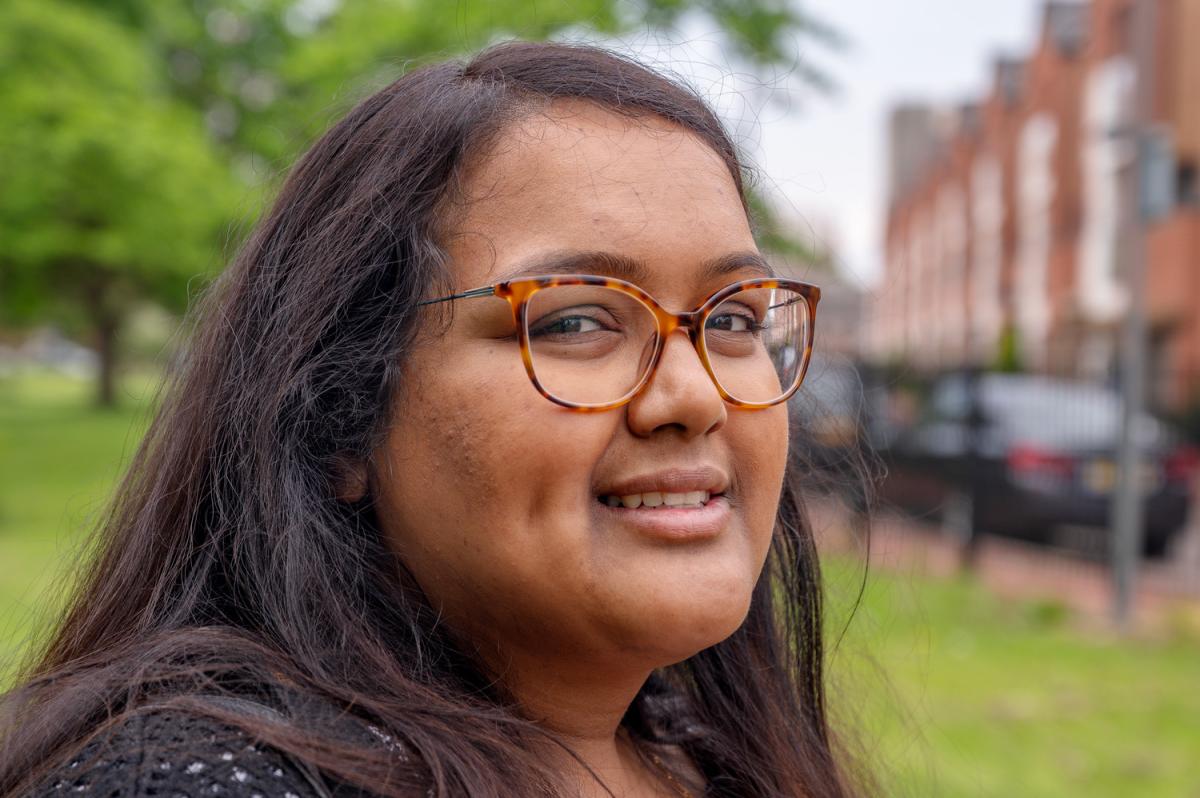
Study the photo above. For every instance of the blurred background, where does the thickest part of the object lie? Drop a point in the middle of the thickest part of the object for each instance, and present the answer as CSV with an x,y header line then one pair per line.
x,y
1000,199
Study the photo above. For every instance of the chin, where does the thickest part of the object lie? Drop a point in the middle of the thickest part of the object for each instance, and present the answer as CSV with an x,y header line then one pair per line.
x,y
684,623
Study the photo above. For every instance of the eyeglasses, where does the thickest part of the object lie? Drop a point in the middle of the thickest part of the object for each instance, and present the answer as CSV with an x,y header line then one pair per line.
x,y
592,343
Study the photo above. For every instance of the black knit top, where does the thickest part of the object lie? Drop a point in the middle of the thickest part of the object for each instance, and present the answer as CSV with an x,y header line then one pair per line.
x,y
173,754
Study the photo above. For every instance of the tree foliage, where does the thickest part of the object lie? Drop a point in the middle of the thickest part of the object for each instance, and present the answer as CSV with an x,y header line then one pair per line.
x,y
111,190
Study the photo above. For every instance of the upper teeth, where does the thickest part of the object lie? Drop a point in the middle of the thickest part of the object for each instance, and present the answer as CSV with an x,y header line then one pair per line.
x,y
695,498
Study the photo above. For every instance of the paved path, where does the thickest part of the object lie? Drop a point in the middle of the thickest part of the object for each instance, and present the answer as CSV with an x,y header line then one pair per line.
x,y
1167,592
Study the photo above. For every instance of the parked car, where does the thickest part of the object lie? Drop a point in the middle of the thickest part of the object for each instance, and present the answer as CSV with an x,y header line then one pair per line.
x,y
1035,453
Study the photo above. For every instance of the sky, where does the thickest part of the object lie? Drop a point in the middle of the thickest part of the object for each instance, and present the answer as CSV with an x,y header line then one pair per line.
x,y
825,158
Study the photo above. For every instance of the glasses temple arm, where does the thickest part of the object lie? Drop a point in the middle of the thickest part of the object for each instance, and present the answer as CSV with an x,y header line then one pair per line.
x,y
785,304
485,291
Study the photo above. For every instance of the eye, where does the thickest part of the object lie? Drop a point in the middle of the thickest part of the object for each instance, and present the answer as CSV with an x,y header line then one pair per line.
x,y
730,320
578,320
567,325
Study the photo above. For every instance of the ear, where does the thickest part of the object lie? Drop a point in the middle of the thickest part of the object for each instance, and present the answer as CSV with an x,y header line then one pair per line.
x,y
350,479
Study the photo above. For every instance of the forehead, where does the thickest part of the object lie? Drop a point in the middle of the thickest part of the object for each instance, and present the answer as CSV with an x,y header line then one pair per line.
x,y
577,177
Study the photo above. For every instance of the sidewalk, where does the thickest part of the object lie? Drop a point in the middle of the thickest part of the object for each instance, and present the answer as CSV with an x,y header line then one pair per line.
x,y
1167,593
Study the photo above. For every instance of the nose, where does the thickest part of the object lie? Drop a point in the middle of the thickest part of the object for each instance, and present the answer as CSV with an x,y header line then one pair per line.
x,y
680,394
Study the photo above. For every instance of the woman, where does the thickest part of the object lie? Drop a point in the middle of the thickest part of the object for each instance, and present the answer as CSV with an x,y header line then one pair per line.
x,y
442,501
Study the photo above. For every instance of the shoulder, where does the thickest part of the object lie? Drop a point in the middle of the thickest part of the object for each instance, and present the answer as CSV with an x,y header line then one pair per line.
x,y
175,753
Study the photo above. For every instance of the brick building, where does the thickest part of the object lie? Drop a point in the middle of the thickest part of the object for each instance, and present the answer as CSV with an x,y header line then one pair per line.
x,y
1004,227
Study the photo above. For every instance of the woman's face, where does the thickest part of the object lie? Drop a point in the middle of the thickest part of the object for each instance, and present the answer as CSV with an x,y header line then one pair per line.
x,y
495,497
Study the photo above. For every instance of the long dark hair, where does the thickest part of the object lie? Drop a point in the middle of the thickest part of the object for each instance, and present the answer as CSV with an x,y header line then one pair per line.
x,y
227,560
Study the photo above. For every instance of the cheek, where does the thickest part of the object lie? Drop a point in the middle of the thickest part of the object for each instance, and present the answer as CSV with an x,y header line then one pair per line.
x,y
759,440
483,486
758,444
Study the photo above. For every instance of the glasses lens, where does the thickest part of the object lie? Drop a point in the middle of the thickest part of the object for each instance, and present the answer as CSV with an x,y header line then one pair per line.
x,y
757,342
589,344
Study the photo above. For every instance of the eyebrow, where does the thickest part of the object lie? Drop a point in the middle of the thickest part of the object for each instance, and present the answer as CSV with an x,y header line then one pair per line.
x,y
624,267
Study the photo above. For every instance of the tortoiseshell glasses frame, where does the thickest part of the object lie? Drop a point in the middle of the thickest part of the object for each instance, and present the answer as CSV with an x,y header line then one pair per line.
x,y
518,293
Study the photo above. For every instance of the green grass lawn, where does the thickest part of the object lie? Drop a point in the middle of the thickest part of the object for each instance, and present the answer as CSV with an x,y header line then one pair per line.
x,y
955,692
952,691
59,459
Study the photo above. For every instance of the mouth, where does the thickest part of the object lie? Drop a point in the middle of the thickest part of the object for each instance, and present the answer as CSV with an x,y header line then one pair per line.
x,y
671,505
691,500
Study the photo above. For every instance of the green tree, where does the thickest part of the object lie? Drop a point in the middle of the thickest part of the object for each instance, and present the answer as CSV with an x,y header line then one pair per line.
x,y
1008,352
111,193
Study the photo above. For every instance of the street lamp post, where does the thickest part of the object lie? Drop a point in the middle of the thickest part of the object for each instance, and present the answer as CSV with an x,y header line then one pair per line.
x,y
1149,195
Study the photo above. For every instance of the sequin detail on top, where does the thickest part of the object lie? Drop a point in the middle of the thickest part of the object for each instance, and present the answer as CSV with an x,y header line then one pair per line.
x,y
171,754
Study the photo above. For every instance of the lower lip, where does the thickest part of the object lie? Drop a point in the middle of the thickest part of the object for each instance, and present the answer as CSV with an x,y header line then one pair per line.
x,y
674,523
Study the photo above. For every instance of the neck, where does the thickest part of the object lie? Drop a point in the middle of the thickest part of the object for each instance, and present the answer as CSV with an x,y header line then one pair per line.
x,y
583,704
